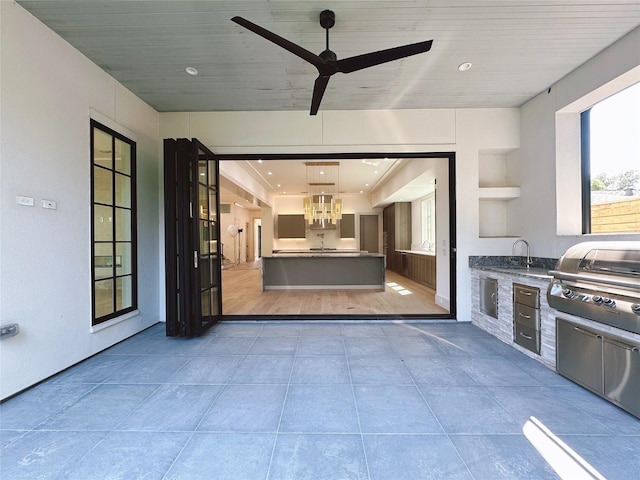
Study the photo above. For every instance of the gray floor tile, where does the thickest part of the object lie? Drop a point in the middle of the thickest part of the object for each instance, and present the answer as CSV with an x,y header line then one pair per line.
x,y
542,373
614,457
274,346
127,412
368,346
502,457
614,418
394,410
207,370
543,404
360,330
95,369
383,370
31,408
315,457
148,369
421,346
320,345
320,370
246,408
101,409
263,369
237,330
457,410
127,455
319,409
438,371
495,371
224,456
411,457
46,454
322,329
173,407
286,329
228,346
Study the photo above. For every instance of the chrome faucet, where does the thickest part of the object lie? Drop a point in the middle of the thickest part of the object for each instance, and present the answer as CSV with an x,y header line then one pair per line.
x,y
427,245
513,250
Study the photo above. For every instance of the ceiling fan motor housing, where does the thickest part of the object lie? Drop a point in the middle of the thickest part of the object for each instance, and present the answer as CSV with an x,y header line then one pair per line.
x,y
327,19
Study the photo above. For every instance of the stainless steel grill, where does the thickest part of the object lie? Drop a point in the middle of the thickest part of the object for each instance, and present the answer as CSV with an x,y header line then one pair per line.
x,y
599,281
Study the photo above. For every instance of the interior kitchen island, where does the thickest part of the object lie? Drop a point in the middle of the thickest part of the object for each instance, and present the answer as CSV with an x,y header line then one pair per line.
x,y
327,269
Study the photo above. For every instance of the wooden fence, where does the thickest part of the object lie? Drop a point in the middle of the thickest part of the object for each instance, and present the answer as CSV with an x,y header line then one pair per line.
x,y
620,216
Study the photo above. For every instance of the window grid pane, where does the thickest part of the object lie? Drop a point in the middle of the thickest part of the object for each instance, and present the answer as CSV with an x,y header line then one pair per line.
x,y
114,244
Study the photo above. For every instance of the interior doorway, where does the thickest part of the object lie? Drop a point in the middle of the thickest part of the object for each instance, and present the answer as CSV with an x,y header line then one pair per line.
x,y
281,307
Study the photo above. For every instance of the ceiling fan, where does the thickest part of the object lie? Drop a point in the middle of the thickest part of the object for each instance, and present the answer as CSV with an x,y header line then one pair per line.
x,y
327,62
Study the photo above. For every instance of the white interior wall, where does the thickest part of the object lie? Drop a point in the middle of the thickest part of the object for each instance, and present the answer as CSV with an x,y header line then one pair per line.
x,y
49,92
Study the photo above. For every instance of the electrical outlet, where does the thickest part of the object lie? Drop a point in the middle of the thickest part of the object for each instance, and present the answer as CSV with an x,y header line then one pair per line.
x,y
50,204
10,330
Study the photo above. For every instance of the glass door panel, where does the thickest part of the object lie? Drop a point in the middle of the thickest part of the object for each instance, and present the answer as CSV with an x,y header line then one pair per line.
x,y
191,209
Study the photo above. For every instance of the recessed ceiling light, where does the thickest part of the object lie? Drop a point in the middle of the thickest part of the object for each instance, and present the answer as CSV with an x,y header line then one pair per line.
x,y
463,67
269,173
278,185
191,70
259,160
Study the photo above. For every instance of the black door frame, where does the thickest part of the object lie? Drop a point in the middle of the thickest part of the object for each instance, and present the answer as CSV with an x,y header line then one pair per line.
x,y
183,278
450,156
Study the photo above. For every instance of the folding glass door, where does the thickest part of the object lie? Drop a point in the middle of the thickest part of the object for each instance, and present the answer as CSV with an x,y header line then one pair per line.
x,y
192,230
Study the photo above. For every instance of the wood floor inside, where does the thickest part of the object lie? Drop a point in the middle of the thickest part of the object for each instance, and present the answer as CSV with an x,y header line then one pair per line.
x,y
242,295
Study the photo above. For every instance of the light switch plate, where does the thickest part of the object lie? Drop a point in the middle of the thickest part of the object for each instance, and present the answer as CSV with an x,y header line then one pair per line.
x,y
26,201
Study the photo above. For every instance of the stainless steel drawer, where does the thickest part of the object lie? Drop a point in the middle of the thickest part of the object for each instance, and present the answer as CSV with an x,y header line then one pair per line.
x,y
622,374
579,355
489,296
527,337
526,315
526,295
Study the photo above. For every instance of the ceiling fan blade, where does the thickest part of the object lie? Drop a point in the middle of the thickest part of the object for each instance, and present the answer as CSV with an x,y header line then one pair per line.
x,y
319,87
282,42
351,64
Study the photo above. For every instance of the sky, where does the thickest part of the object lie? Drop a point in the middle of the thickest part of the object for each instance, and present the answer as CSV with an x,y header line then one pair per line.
x,y
615,133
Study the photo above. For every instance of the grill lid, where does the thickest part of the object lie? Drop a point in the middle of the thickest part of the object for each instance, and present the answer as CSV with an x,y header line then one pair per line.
x,y
599,281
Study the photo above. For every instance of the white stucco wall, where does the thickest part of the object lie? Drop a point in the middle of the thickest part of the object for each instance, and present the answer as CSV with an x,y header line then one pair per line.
x,y
465,132
548,160
49,92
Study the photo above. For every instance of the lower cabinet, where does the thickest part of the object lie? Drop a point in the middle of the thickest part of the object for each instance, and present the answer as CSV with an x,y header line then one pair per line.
x,y
605,365
420,268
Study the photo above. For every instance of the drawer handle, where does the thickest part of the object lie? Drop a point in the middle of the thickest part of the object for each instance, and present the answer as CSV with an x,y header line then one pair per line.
x,y
528,337
523,315
522,292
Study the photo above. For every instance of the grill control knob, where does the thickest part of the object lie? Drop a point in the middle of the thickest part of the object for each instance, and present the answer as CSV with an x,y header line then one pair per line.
x,y
609,302
567,293
635,308
597,299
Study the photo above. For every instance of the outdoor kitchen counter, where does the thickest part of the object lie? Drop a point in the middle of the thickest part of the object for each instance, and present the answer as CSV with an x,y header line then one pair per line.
x,y
326,270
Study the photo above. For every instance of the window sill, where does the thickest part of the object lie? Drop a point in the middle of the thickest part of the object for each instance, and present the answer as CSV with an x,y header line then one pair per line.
x,y
113,321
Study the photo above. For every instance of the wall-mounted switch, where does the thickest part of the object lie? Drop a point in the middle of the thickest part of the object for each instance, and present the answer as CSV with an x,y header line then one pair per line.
x,y
49,204
26,201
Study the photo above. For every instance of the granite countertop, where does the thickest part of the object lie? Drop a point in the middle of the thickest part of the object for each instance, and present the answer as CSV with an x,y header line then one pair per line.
x,y
514,265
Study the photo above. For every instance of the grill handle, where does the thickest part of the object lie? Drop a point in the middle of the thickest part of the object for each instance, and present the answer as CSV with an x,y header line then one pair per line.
x,y
586,278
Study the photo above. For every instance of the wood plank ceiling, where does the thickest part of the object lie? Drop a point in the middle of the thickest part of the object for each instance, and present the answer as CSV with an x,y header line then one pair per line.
x,y
518,48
